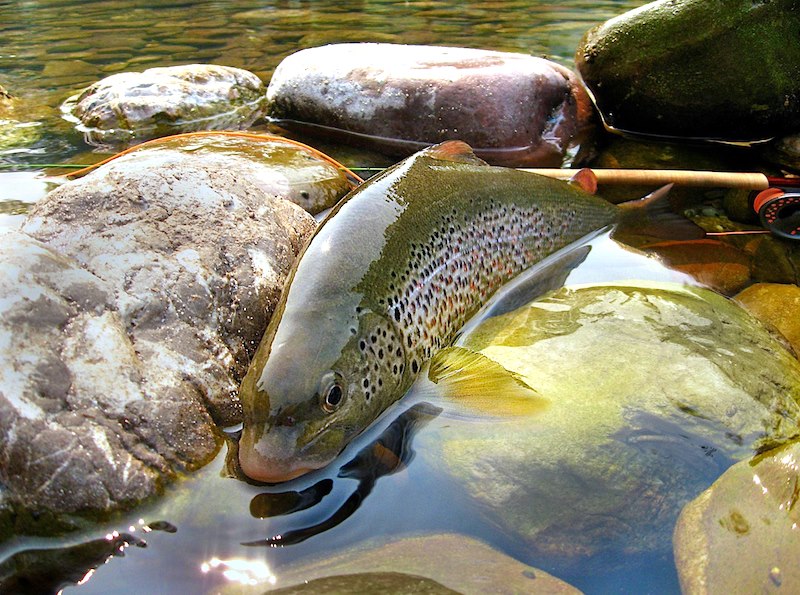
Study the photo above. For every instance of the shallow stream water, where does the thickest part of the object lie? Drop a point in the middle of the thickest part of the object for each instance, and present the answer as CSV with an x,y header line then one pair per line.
x,y
51,49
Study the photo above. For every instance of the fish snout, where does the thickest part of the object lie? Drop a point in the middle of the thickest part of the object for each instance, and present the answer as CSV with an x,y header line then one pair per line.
x,y
272,457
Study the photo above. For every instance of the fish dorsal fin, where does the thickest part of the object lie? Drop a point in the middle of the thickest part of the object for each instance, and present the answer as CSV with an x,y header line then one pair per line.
x,y
586,180
653,216
454,150
481,384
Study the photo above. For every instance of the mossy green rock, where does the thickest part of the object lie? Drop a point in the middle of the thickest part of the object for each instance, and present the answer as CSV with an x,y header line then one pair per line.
x,y
741,535
652,391
723,69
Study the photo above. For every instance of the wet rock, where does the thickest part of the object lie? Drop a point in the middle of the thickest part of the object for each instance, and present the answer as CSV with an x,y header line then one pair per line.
x,y
195,249
370,582
718,265
278,167
697,68
86,425
651,393
777,305
455,562
120,363
135,106
513,109
785,152
741,535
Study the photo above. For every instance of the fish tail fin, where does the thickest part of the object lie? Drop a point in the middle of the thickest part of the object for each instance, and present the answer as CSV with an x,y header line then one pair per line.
x,y
482,385
653,216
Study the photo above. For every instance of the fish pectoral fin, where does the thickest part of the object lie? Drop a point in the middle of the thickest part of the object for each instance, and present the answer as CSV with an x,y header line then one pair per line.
x,y
479,383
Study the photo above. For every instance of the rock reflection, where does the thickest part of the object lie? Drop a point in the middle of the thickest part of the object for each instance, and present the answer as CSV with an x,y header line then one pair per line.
x,y
389,453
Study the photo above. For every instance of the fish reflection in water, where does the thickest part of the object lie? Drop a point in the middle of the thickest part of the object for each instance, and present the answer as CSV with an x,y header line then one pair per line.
x,y
389,453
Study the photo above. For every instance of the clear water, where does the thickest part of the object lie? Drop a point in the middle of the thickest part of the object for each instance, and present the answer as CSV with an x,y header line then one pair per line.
x,y
52,48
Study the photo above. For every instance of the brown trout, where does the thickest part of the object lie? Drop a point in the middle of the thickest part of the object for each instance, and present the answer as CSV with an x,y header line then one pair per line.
x,y
386,282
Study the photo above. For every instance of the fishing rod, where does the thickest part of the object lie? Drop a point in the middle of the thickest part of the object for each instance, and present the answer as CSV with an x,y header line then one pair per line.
x,y
777,208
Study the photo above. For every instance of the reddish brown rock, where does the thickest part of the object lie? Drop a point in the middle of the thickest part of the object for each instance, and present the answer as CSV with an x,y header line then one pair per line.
x,y
718,265
513,109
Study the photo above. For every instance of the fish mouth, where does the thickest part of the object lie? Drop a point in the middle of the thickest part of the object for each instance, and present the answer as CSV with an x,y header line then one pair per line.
x,y
270,469
274,454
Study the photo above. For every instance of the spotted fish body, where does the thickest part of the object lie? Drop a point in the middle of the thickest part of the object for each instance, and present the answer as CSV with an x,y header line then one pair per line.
x,y
386,281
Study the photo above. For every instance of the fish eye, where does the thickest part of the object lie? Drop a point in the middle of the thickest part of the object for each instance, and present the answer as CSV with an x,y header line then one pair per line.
x,y
332,394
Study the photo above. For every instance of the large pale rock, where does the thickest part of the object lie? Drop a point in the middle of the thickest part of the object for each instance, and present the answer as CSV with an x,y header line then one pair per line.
x,y
113,389
651,392
85,424
513,109
742,535
133,106
195,251
723,69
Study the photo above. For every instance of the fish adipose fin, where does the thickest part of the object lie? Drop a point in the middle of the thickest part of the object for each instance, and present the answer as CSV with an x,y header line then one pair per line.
x,y
652,216
456,151
481,384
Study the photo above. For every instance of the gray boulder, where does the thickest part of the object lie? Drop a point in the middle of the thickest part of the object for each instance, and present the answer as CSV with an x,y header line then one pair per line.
x,y
85,424
162,271
132,106
513,109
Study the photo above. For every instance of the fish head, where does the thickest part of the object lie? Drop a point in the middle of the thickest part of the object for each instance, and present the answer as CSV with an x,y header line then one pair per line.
x,y
313,387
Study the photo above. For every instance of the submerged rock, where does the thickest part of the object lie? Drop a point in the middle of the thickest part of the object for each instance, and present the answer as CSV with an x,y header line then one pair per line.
x,y
513,109
697,68
651,393
718,265
114,389
364,583
135,106
454,562
777,305
741,535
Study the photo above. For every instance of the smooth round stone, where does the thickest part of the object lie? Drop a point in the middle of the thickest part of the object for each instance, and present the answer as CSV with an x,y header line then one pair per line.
x,y
777,305
742,535
513,109
132,106
650,393
697,68
443,563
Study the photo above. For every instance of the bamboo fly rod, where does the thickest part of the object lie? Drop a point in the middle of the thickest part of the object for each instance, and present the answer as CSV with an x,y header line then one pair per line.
x,y
680,177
